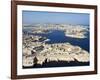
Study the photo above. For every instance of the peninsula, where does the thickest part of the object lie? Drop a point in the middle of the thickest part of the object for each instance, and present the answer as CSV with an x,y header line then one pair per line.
x,y
39,52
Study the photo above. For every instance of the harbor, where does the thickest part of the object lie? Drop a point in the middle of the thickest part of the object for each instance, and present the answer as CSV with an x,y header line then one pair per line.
x,y
38,51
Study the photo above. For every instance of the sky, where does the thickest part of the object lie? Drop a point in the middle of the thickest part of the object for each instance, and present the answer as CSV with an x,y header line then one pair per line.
x,y
31,17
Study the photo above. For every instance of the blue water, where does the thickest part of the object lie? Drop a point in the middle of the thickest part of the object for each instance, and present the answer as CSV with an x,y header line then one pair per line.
x,y
58,36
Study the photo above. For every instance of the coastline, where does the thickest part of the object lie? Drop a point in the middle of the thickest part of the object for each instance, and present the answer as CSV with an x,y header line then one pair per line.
x,y
36,51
